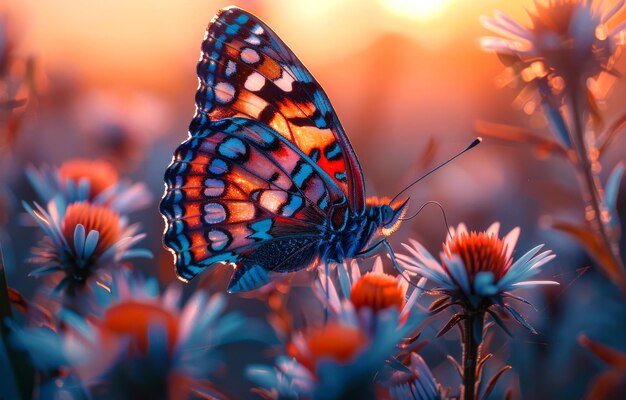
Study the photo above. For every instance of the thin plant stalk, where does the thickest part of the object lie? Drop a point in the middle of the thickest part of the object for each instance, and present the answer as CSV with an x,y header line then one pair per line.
x,y
471,344
593,194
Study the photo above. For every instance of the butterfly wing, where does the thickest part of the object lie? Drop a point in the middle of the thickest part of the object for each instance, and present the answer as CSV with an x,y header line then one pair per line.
x,y
246,70
239,192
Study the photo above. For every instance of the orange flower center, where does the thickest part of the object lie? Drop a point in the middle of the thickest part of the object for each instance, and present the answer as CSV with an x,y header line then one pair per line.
x,y
92,217
100,174
134,320
377,291
335,341
479,252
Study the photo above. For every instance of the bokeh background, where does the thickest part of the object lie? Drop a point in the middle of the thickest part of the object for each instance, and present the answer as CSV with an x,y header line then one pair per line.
x,y
116,80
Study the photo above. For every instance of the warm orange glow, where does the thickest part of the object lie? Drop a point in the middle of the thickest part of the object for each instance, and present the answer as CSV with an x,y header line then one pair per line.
x,y
92,217
100,174
419,9
134,319
377,291
338,342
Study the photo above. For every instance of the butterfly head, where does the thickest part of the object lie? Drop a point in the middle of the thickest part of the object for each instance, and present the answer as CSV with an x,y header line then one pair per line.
x,y
389,213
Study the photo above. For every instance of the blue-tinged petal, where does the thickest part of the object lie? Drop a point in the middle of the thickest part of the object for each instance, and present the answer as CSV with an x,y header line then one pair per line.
x,y
91,243
458,272
137,253
46,270
344,281
79,240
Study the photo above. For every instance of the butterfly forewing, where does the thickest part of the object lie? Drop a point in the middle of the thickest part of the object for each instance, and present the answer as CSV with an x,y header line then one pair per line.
x,y
246,70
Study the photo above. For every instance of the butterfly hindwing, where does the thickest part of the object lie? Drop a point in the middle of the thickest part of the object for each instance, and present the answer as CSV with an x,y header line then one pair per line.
x,y
238,191
246,70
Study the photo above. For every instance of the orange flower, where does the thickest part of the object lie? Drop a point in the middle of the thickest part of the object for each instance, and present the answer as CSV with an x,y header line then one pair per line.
x,y
134,319
101,175
336,341
480,252
92,217
377,291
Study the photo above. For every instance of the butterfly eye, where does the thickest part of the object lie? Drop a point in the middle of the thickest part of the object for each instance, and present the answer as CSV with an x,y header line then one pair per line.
x,y
387,214
392,216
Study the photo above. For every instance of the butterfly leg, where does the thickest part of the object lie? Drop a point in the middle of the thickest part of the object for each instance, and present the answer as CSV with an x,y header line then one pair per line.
x,y
327,284
376,248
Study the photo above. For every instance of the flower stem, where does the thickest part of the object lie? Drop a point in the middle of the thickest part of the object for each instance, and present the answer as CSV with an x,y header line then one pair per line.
x,y
593,197
470,354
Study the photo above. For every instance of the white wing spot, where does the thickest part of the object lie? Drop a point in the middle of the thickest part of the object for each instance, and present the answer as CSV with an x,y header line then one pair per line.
x,y
285,82
249,56
218,239
224,92
255,82
231,68
253,40
258,30
214,187
214,213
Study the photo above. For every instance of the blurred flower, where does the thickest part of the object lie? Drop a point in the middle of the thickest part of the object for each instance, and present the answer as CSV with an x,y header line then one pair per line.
x,y
335,361
369,320
568,38
81,240
96,181
141,344
418,383
365,296
477,268
122,124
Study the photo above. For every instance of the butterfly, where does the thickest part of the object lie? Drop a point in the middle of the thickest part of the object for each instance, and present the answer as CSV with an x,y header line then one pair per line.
x,y
267,180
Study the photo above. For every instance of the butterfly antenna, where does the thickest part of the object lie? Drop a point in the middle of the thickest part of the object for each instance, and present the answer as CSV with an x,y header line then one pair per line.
x,y
443,213
474,143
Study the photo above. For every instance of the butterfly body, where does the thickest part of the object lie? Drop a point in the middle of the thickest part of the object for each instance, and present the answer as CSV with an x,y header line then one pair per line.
x,y
267,180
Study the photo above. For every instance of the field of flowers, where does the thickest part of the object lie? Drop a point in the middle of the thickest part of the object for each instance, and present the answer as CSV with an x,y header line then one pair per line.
x,y
254,266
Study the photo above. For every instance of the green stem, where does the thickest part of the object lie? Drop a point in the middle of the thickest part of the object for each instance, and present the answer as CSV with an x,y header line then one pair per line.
x,y
470,355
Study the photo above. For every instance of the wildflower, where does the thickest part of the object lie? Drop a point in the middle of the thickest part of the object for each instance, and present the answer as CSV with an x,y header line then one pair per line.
x,y
476,273
96,181
365,296
568,38
82,241
477,268
141,343
346,357
417,383
330,362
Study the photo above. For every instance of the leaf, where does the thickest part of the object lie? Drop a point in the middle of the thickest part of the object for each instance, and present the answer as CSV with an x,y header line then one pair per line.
x,y
518,298
493,381
456,365
438,302
519,135
608,355
606,385
518,317
455,319
596,250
